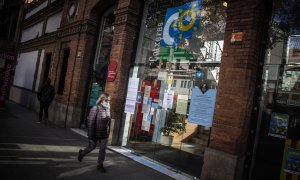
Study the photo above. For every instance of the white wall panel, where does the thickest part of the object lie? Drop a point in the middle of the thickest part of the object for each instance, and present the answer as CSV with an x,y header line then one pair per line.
x,y
53,22
25,69
37,9
32,32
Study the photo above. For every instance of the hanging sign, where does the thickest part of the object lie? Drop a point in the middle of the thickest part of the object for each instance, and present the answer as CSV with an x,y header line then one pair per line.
x,y
112,71
236,37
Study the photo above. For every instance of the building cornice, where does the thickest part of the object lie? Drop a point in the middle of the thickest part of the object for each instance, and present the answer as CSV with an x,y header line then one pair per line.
x,y
127,15
43,40
86,26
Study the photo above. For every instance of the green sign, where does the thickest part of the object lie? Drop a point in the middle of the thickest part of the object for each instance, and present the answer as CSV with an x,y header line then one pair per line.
x,y
171,53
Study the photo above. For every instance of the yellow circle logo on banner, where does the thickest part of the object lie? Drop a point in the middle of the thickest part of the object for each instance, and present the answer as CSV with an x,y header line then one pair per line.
x,y
187,27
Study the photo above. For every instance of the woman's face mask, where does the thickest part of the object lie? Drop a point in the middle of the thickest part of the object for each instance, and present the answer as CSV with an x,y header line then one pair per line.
x,y
105,103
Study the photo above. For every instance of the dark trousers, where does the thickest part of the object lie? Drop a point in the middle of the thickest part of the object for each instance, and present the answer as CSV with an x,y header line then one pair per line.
x,y
92,145
43,109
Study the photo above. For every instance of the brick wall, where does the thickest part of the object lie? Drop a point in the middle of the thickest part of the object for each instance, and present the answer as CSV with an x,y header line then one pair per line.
x,y
236,92
125,36
237,84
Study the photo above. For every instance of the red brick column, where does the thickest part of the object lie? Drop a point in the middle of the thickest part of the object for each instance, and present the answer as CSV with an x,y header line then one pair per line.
x,y
126,31
224,159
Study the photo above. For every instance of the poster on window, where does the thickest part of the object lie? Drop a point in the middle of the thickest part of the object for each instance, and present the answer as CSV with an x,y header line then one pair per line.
x,y
146,123
290,156
292,163
146,105
147,91
152,111
182,103
131,97
294,49
278,125
163,76
202,107
139,97
168,99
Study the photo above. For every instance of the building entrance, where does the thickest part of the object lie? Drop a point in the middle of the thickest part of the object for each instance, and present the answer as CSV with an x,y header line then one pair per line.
x,y
101,61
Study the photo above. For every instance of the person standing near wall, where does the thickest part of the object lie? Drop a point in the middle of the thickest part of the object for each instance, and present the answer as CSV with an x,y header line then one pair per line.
x,y
45,96
98,129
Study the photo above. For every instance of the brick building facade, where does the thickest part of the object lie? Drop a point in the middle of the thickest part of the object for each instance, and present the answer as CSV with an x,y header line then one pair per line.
x,y
72,46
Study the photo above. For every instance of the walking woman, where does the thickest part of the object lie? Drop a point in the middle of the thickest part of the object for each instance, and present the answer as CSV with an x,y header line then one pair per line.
x,y
98,129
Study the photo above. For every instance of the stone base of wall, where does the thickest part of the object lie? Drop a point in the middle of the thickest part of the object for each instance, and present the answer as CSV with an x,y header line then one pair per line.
x,y
25,98
59,116
57,111
220,165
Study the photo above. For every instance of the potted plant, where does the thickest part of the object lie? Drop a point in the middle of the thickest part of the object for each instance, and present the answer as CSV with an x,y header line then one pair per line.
x,y
175,124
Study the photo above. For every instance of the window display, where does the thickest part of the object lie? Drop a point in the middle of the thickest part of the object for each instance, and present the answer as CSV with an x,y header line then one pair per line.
x,y
277,151
179,49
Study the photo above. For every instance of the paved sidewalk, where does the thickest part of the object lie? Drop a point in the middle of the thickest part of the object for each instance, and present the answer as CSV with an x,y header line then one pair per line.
x,y
32,151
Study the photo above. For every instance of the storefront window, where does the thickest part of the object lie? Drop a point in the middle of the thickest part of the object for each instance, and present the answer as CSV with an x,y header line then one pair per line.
x,y
278,150
179,50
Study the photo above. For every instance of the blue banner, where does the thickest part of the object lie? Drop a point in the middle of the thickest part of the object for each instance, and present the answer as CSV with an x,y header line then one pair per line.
x,y
181,22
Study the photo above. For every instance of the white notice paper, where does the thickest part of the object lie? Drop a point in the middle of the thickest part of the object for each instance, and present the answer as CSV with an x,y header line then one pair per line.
x,y
182,103
168,99
132,90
